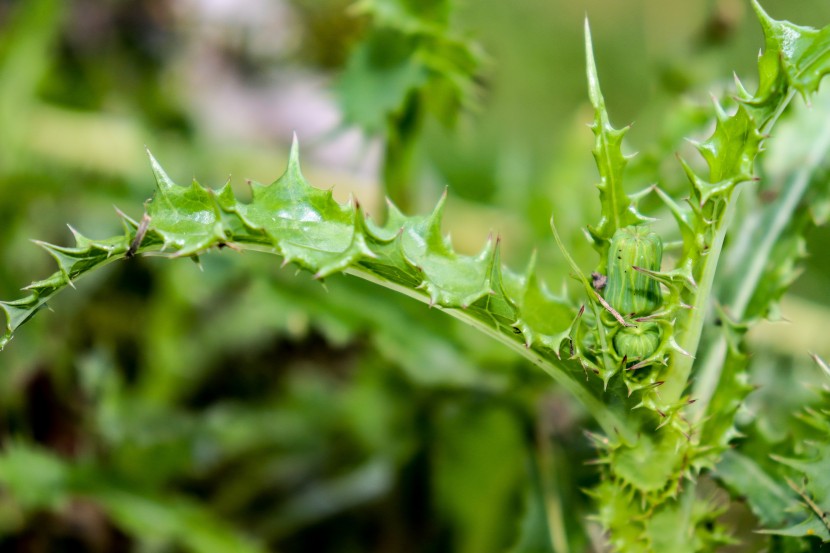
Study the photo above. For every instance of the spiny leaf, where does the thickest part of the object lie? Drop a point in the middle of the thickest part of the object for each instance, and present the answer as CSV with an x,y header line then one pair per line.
x,y
790,495
307,227
813,485
794,60
618,210
794,56
763,261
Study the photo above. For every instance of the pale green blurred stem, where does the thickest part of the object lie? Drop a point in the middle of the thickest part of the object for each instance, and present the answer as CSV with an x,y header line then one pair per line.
x,y
402,136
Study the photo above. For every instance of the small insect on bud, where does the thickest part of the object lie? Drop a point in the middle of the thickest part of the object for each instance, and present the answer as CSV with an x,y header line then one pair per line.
x,y
628,290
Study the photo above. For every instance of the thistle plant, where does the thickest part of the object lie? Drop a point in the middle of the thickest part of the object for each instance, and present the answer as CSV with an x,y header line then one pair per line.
x,y
651,339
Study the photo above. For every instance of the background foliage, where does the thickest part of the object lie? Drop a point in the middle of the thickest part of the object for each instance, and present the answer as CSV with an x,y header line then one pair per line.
x,y
238,406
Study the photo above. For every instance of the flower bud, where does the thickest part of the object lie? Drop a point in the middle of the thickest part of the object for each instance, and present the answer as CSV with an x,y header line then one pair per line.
x,y
637,342
627,290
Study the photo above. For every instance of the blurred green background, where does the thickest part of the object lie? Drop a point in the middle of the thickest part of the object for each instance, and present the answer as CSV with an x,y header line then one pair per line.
x,y
237,406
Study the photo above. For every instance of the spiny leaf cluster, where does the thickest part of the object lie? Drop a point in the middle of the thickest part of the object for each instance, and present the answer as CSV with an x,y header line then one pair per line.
x,y
795,60
307,227
645,470
791,494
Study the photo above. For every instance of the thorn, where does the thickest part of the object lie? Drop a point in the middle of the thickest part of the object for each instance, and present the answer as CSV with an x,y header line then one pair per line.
x,y
163,181
677,347
124,216
295,145
231,245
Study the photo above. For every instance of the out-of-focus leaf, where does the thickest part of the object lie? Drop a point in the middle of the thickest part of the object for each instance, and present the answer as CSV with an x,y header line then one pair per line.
x,y
478,454
39,479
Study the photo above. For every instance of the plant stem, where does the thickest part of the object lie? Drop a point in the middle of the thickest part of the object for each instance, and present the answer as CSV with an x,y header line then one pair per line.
x,y
612,423
678,378
403,132
711,367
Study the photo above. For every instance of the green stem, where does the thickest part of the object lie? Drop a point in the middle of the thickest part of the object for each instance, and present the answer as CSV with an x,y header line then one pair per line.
x,y
681,365
403,132
614,424
678,378
710,371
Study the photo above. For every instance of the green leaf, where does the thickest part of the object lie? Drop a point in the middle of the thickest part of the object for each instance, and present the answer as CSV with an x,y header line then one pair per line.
x,y
306,226
411,63
534,534
790,496
768,496
795,59
379,76
470,490
794,56
763,261
39,479
411,55
618,210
